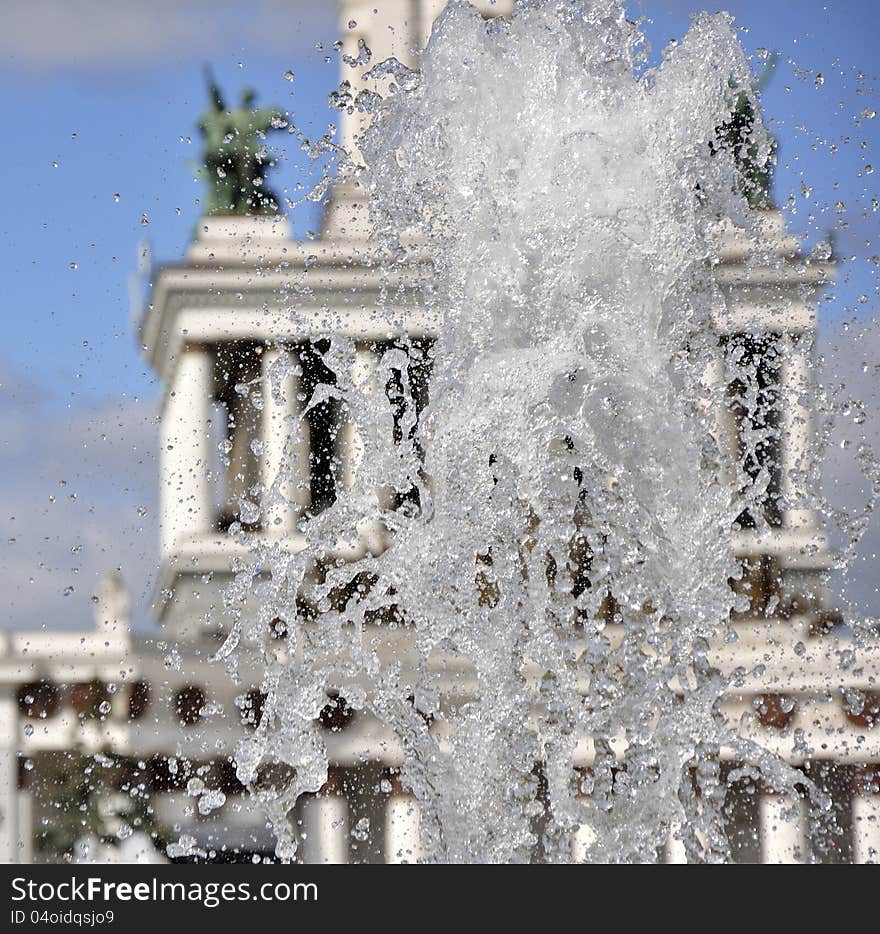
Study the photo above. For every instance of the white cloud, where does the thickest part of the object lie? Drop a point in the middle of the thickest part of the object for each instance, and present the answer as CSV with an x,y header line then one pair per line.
x,y
49,35
78,500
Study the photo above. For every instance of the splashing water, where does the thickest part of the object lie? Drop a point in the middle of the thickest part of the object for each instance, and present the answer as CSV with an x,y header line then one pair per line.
x,y
558,563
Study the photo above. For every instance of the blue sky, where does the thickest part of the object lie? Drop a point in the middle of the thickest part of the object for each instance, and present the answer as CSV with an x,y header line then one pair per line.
x,y
101,101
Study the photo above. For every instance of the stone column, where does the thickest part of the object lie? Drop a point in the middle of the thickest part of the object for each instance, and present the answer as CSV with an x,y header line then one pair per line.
x,y
584,836
783,839
185,506
388,29
723,425
583,839
351,444
674,851
25,827
426,11
284,461
9,804
796,430
866,817
402,838
325,822
377,423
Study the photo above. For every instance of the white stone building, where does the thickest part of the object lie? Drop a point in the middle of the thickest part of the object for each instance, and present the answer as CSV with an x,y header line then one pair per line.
x,y
218,320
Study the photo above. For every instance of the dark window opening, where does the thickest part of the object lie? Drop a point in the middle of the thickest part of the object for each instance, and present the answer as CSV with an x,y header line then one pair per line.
x,y
754,400
324,419
741,813
407,393
252,707
761,583
237,434
90,699
39,699
188,704
336,714
138,699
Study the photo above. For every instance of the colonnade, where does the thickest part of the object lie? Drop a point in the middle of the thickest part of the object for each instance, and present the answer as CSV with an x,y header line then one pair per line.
x,y
187,490
783,827
796,425
326,824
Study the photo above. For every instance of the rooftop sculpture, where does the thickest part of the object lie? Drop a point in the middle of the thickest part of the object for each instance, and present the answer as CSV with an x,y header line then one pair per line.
x,y
235,159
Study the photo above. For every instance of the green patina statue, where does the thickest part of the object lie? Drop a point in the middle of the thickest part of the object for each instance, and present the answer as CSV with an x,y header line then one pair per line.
x,y
735,135
236,159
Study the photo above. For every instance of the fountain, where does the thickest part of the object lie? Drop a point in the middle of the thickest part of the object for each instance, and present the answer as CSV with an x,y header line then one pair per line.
x,y
525,569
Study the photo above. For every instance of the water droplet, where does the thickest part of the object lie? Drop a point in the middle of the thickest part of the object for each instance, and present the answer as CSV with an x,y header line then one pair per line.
x,y
211,800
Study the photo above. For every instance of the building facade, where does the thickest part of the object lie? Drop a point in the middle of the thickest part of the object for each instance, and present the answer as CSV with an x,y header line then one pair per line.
x,y
162,712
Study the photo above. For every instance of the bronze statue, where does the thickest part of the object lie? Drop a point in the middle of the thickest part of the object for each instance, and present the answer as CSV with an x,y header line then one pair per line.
x,y
235,158
735,135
